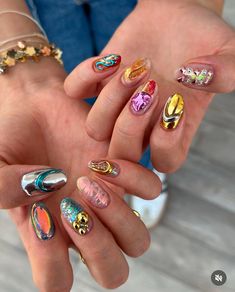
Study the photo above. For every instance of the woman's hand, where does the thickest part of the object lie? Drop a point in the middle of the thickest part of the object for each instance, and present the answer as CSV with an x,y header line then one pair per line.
x,y
174,34
40,128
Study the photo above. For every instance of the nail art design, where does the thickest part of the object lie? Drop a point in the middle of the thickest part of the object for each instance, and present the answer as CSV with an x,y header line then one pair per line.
x,y
173,111
42,221
195,75
76,216
107,62
43,181
104,167
143,98
93,192
136,71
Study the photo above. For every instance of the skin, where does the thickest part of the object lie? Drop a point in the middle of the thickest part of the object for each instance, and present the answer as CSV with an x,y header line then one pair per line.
x,y
172,37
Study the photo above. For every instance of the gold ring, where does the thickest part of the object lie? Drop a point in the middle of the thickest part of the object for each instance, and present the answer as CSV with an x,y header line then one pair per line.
x,y
82,258
136,213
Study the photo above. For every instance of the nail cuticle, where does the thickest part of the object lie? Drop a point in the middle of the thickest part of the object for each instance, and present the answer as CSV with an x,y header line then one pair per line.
x,y
43,181
173,112
92,192
76,216
107,62
42,221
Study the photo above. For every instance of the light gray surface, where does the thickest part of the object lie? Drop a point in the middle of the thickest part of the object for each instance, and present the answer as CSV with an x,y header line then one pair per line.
x,y
197,234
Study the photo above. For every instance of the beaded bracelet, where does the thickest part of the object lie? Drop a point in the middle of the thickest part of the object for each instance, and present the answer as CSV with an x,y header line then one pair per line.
x,y
24,52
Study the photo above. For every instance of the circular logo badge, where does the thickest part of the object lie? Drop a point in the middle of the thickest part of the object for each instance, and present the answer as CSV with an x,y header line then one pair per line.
x,y
218,278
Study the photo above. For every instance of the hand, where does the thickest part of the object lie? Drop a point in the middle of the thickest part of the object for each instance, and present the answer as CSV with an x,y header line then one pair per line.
x,y
174,34
41,127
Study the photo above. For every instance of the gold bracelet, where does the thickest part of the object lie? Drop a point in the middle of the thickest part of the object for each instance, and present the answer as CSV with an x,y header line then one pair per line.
x,y
24,52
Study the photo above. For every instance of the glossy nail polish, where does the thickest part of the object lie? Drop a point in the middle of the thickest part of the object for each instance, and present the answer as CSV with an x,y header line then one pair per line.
x,y
43,181
42,221
92,192
173,111
107,62
75,215
196,75
143,98
104,167
137,71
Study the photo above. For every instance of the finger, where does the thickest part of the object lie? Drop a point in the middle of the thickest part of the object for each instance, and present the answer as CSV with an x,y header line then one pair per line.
x,y
167,148
129,231
84,80
209,73
113,97
134,178
26,184
96,244
131,125
46,248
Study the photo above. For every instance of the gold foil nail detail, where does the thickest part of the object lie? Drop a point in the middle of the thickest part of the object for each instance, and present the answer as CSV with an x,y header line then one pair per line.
x,y
104,167
173,111
137,70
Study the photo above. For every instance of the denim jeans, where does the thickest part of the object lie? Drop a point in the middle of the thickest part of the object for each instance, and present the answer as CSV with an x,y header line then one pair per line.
x,y
81,28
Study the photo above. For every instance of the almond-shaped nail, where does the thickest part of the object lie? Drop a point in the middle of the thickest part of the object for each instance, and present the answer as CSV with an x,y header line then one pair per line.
x,y
137,71
107,62
143,98
76,216
43,181
42,221
104,167
92,192
173,111
195,75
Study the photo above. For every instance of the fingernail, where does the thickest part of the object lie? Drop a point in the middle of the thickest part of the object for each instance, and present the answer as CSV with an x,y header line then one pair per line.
x,y
106,62
173,111
93,192
142,100
43,181
74,213
42,221
104,167
137,71
195,75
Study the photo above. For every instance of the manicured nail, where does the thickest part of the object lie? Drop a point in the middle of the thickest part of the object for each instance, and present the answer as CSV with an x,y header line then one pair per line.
x,y
74,213
137,71
106,62
142,100
104,167
196,75
173,111
93,192
43,181
42,221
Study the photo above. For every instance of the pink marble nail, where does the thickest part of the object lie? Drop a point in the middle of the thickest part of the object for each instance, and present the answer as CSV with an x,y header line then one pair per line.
x,y
142,100
92,192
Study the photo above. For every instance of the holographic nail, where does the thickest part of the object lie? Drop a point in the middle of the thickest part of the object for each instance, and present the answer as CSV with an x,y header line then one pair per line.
x,y
173,111
196,74
43,181
104,167
137,71
75,215
106,62
92,192
42,221
142,100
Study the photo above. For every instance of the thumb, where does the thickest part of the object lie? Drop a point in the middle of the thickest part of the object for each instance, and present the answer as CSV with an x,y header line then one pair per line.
x,y
214,73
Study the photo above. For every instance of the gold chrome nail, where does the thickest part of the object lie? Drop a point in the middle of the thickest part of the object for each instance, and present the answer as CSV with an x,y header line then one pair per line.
x,y
173,111
137,70
104,167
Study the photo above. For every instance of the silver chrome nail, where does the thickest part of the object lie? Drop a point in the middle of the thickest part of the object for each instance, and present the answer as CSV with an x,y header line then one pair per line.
x,y
43,181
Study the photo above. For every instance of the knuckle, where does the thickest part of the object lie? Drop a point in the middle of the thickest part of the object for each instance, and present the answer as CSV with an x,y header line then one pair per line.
x,y
142,246
94,133
125,131
117,280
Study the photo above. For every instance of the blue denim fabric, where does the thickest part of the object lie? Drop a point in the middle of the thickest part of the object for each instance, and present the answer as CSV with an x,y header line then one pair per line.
x,y
81,28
